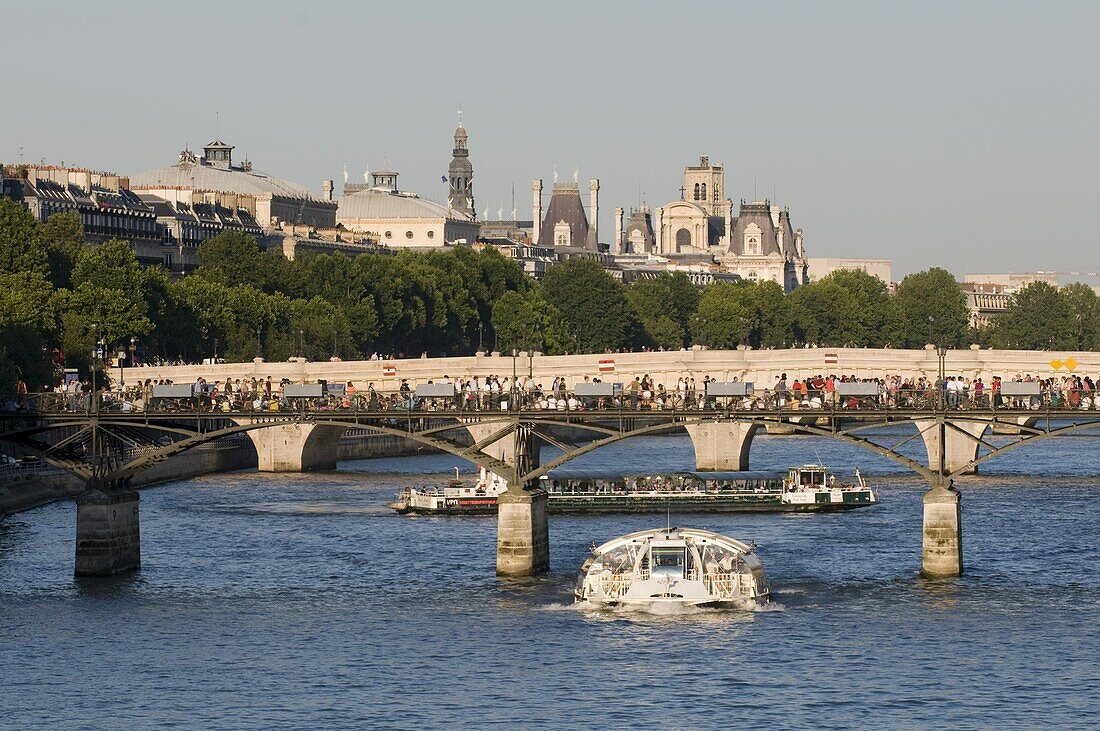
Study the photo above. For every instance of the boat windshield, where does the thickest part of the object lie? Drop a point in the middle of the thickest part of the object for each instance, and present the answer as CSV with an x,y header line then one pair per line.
x,y
667,561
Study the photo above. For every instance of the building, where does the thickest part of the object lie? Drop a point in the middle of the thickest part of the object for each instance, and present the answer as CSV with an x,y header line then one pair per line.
x,y
565,223
269,200
400,219
758,244
638,236
107,208
460,174
818,268
1007,282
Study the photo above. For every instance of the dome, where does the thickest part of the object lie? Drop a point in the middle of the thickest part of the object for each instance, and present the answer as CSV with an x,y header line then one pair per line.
x,y
222,180
460,133
380,203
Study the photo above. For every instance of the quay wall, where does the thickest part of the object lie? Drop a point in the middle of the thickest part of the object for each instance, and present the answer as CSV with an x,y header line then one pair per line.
x,y
745,364
22,490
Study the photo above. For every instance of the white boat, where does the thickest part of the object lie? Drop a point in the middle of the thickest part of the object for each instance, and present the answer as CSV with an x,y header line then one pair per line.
x,y
809,488
673,566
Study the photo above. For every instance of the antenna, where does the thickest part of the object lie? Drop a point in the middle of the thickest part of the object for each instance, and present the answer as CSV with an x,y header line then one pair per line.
x,y
217,125
668,518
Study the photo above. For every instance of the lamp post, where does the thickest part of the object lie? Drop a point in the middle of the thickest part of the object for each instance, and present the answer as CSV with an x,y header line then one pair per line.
x,y
931,321
941,352
301,343
480,336
259,346
512,401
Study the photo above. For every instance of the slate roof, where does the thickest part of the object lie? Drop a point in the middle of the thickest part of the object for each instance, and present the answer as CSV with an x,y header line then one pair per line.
x,y
761,215
565,205
209,177
381,203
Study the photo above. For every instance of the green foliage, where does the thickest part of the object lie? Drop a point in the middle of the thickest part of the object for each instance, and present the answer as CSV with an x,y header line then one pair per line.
x,y
1084,310
725,316
826,313
666,306
593,304
20,244
1038,317
62,238
525,321
934,294
871,303
231,258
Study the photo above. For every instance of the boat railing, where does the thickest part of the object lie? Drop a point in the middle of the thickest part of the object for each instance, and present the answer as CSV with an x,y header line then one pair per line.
x,y
616,584
723,584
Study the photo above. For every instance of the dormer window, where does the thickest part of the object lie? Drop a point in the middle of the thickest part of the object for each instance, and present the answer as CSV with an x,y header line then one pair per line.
x,y
752,240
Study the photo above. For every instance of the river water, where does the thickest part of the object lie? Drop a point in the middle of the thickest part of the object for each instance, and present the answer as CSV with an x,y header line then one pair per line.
x,y
301,601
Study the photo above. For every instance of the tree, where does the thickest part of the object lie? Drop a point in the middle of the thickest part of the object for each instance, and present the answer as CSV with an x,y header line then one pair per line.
x,y
825,313
666,305
934,294
1084,310
871,304
231,258
593,304
525,321
725,316
20,246
1037,318
116,293
62,238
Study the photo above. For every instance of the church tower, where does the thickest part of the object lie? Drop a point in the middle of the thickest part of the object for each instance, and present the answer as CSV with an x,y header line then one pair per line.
x,y
461,174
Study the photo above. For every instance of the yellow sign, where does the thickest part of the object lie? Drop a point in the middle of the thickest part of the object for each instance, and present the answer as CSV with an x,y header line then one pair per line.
x,y
1056,364
1071,364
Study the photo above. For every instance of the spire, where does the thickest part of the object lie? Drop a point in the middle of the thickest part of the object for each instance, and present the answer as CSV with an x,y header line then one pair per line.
x,y
460,175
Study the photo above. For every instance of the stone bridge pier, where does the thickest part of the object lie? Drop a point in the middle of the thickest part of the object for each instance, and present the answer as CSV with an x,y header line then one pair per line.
x,y
941,545
722,445
296,447
108,532
523,527
953,446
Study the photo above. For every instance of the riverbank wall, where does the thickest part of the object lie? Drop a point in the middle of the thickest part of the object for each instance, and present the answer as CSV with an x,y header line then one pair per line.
x,y
25,489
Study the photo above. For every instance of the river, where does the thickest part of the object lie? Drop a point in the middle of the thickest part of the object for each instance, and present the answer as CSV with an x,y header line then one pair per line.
x,y
301,601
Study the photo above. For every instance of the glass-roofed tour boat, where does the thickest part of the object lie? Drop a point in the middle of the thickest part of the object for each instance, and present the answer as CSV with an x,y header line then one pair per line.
x,y
673,566
809,488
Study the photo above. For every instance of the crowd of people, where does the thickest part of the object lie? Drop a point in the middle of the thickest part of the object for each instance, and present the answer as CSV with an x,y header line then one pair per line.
x,y
643,393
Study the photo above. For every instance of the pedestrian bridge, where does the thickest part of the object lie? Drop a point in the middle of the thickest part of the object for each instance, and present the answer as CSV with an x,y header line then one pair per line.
x,y
107,442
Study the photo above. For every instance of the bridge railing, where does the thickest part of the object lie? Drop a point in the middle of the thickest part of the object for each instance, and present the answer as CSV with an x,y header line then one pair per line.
x,y
868,396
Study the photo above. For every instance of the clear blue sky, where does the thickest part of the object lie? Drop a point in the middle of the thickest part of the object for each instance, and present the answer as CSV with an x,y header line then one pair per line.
x,y
954,134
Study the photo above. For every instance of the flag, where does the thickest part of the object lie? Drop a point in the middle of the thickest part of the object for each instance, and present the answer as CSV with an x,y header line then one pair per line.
x,y
443,178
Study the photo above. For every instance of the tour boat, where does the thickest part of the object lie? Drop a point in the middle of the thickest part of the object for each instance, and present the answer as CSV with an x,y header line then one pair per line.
x,y
809,488
673,566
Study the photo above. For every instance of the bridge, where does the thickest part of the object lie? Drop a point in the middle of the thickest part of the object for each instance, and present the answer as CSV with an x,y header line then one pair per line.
x,y
106,442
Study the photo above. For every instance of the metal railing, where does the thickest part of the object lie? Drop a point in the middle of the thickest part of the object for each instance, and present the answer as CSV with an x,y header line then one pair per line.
x,y
807,403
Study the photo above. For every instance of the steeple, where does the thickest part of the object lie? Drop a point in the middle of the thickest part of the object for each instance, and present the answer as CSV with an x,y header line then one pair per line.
x,y
460,196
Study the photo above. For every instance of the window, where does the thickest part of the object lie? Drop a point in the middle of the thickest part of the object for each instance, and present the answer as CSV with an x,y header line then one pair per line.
x,y
389,234
431,234
752,240
683,239
695,195
703,195
408,234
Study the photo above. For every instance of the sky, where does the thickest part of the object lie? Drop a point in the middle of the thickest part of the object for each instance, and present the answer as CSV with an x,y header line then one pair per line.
x,y
960,134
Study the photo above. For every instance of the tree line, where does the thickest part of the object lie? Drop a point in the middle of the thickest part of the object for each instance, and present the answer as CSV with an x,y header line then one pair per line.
x,y
61,299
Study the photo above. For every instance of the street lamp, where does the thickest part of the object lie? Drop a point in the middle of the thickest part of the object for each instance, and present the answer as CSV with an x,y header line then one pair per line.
x,y
259,346
931,321
941,351
512,401
480,337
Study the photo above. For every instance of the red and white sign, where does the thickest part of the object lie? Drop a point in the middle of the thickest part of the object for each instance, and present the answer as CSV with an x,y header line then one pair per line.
x,y
389,371
607,365
830,359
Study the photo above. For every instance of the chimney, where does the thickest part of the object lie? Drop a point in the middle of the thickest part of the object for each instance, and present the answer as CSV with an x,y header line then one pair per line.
x,y
619,231
536,208
326,190
594,198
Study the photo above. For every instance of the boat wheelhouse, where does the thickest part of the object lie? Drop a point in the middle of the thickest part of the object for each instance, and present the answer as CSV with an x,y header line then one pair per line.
x,y
673,566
